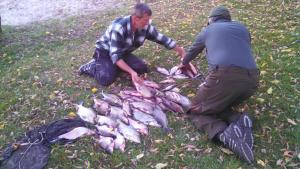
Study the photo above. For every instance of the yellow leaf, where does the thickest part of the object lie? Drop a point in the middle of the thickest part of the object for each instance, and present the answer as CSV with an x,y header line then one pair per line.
x,y
275,81
72,114
260,162
260,100
263,72
226,151
59,80
270,90
2,125
191,95
47,33
292,122
140,156
94,90
160,165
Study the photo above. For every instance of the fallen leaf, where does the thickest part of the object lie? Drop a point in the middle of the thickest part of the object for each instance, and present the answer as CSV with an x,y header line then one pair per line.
x,y
260,100
291,122
260,162
275,81
158,141
226,151
263,72
279,162
2,125
161,165
72,114
270,90
140,156
191,95
94,90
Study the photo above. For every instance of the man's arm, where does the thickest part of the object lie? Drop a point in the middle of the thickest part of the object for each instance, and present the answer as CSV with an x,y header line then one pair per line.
x,y
154,36
195,49
125,67
117,51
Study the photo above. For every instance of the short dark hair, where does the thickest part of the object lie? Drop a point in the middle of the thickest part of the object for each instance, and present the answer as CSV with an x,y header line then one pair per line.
x,y
140,9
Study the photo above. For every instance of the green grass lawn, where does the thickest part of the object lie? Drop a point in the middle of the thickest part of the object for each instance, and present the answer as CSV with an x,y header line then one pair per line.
x,y
38,66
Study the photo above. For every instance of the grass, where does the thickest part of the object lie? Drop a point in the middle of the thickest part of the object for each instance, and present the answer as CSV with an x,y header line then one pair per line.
x,y
38,80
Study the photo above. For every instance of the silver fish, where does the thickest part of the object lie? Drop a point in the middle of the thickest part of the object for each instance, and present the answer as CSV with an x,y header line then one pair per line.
x,y
129,132
117,113
131,93
180,76
178,98
145,118
126,108
106,131
151,84
101,106
143,106
76,133
119,142
170,87
172,105
112,99
161,118
144,90
173,70
163,71
169,80
104,120
107,143
140,127
85,113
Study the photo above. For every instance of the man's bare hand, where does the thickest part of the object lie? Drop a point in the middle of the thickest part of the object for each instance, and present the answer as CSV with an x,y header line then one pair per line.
x,y
135,78
180,51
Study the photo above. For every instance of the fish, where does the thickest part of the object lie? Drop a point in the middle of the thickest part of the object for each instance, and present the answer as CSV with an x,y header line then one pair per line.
x,y
140,127
169,80
104,120
151,84
107,143
118,113
76,133
180,76
126,108
131,93
101,106
174,70
129,132
106,131
144,90
143,106
85,113
161,118
163,71
178,98
170,87
172,105
145,118
119,142
112,99
193,69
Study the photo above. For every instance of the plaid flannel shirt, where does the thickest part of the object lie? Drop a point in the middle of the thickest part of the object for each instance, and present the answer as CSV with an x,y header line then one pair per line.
x,y
119,39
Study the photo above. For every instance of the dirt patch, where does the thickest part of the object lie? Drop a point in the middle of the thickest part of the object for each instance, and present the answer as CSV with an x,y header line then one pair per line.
x,y
21,12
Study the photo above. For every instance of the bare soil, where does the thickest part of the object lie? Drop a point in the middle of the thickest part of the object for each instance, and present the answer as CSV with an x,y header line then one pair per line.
x,y
22,12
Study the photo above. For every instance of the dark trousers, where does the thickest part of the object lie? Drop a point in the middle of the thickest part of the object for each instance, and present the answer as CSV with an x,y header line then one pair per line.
x,y
224,87
106,72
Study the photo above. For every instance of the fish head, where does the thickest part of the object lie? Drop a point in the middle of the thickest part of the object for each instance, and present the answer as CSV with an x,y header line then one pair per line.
x,y
101,106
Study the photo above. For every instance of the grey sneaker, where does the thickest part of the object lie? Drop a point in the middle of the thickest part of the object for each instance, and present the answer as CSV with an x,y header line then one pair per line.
x,y
245,123
232,138
87,68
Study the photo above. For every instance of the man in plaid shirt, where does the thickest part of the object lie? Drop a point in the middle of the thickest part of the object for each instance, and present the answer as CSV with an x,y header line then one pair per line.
x,y
114,49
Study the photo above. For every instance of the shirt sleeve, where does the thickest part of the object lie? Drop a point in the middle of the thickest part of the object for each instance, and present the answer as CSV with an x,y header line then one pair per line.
x,y
154,36
197,47
117,45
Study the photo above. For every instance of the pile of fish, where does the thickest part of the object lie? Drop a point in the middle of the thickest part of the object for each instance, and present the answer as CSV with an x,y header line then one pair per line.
x,y
180,72
127,115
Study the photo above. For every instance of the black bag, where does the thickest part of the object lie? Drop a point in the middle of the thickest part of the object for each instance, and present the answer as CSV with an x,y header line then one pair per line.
x,y
32,151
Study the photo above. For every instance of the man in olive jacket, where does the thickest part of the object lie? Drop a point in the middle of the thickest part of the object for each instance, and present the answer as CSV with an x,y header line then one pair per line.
x,y
233,77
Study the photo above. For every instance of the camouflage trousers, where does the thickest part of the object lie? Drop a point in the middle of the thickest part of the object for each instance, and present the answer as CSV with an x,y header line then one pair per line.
x,y
224,87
